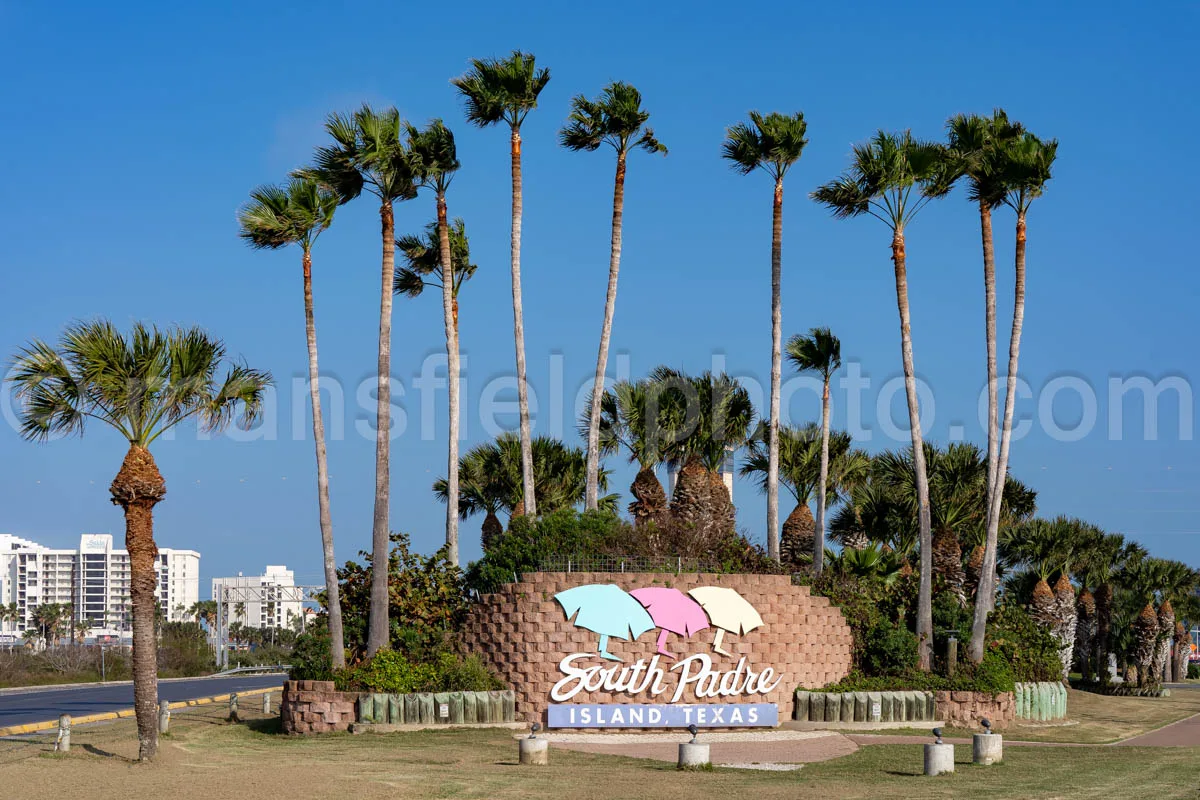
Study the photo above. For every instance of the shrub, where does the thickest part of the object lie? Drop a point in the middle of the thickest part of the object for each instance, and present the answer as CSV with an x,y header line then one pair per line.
x,y
391,672
1193,672
310,657
889,648
1029,651
568,534
386,671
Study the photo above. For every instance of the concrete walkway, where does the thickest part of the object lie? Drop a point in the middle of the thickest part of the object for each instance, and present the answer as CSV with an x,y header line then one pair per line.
x,y
740,749
813,746
1185,733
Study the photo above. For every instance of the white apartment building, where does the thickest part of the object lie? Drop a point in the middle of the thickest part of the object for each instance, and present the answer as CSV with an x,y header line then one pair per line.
x,y
270,600
93,579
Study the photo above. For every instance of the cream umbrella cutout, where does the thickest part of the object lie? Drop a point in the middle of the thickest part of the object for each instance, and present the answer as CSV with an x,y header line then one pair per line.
x,y
727,611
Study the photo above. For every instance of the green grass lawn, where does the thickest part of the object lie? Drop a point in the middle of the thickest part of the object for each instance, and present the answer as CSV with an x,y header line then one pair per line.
x,y
1095,719
206,757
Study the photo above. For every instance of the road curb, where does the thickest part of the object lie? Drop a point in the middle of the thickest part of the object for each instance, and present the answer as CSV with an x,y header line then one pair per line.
x,y
52,687
36,727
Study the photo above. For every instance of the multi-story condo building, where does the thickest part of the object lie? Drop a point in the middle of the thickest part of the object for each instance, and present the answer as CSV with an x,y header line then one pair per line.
x,y
93,580
270,600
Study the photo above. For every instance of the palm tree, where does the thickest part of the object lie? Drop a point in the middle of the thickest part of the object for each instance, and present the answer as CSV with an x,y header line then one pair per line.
x,y
423,262
976,149
801,453
881,180
435,161
369,155
506,90
142,385
615,118
277,217
1024,163
715,419
772,143
820,351
492,480
639,416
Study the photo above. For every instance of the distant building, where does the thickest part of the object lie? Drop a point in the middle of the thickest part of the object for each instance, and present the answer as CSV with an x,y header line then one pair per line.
x,y
93,579
270,600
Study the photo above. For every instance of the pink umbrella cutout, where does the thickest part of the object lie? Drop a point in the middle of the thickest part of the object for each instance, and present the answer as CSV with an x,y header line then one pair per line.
x,y
672,611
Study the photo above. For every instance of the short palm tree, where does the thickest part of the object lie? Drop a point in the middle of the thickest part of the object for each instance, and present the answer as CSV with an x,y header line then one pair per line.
x,y
715,420
434,160
803,452
277,217
422,257
492,480
141,385
635,415
506,90
368,154
892,177
821,352
770,142
617,119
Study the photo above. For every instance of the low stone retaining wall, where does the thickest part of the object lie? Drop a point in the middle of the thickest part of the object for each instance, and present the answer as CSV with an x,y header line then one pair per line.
x,y
967,709
864,707
1040,701
315,707
437,708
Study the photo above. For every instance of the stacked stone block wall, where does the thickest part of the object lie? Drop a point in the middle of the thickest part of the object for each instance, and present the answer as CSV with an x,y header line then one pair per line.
x,y
967,709
315,707
522,634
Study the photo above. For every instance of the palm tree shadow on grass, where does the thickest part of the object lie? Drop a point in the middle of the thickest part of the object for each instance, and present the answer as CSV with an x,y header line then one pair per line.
x,y
270,726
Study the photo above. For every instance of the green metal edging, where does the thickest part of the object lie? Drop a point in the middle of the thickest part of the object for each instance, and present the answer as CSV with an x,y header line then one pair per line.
x,y
436,708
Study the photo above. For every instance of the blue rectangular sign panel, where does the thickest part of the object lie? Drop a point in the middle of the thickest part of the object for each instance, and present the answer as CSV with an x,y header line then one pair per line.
x,y
656,715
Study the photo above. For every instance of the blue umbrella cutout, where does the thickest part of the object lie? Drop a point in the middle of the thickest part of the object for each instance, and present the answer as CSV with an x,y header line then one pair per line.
x,y
606,609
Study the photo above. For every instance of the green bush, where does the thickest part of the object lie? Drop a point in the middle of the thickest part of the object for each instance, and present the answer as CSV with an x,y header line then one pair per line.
x,y
1029,651
310,657
1193,672
992,676
569,534
386,671
391,672
889,648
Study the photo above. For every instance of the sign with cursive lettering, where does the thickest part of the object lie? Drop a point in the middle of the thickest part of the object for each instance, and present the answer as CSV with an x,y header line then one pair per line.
x,y
612,613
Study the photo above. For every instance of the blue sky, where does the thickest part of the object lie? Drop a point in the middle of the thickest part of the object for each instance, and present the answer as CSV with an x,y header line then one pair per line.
x,y
134,132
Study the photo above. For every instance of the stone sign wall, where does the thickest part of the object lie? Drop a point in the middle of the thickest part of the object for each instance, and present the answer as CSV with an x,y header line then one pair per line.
x,y
524,634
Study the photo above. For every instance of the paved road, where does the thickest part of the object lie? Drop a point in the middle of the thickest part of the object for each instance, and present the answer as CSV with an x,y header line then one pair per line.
x,y
1185,733
22,709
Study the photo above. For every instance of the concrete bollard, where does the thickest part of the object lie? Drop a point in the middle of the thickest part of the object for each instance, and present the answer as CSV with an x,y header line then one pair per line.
x,y
267,703
987,749
535,752
63,745
939,758
233,708
164,717
694,754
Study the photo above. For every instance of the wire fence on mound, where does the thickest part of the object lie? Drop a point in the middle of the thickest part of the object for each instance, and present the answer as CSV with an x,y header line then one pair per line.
x,y
609,563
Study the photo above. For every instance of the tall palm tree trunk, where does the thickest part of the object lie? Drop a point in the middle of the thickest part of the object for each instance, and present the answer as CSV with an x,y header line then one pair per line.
x,y
925,586
1014,352
776,374
823,483
592,496
137,489
377,634
337,643
519,331
985,595
450,313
